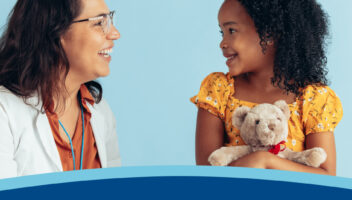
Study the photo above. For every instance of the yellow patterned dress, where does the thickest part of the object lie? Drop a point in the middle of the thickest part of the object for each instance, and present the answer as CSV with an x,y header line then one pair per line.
x,y
317,110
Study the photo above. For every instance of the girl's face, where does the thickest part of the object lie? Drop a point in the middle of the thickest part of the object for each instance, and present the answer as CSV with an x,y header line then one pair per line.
x,y
87,45
241,42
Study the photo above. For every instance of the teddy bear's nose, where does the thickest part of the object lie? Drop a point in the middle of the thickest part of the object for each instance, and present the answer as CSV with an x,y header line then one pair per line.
x,y
272,127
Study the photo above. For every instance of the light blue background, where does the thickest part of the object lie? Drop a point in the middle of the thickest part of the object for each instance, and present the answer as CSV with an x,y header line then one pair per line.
x,y
165,51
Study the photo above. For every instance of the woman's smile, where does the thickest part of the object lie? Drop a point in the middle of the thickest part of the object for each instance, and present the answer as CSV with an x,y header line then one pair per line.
x,y
105,54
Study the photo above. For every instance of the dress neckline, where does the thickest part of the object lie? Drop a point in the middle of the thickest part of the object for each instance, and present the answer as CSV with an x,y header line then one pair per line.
x,y
231,81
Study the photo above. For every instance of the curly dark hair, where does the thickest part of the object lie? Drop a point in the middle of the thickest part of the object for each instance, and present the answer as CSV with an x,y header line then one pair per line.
x,y
32,58
299,29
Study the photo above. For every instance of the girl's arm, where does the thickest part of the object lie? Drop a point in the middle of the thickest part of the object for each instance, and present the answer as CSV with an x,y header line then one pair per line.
x,y
209,136
268,160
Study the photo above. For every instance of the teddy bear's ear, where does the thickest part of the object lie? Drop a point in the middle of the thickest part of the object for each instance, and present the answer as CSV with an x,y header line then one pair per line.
x,y
283,107
239,115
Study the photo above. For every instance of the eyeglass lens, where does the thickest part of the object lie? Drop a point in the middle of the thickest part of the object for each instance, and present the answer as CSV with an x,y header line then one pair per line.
x,y
108,21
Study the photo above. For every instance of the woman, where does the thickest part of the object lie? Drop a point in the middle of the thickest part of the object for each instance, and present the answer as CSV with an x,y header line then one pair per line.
x,y
52,115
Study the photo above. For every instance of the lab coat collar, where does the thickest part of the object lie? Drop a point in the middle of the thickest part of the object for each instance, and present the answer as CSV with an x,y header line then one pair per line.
x,y
44,128
35,102
97,124
48,141
46,136
45,132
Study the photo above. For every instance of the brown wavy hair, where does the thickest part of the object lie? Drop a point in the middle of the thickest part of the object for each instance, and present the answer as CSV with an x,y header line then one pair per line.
x,y
32,58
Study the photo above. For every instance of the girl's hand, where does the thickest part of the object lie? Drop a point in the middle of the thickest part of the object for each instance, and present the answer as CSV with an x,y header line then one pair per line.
x,y
267,160
210,137
258,159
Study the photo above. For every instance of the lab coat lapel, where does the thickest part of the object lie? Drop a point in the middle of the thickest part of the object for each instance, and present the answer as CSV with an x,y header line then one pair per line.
x,y
98,128
45,134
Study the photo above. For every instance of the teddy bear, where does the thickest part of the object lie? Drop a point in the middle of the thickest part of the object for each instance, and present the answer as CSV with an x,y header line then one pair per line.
x,y
265,128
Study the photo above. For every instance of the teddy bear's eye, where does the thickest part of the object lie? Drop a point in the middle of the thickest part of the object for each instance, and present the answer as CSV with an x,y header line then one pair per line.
x,y
279,118
256,121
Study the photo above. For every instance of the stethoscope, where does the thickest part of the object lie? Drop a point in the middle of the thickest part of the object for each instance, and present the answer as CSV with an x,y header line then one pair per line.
x,y
69,138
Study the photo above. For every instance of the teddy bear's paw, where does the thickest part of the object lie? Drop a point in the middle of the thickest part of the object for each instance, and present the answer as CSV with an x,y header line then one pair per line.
x,y
219,157
315,157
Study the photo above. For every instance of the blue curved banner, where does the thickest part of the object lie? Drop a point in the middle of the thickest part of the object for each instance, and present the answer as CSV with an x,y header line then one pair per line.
x,y
176,182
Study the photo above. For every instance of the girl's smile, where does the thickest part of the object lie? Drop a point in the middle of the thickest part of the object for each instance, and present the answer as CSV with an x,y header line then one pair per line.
x,y
230,59
241,42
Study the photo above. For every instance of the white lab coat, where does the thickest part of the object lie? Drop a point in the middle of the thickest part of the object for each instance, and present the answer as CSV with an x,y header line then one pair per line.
x,y
27,145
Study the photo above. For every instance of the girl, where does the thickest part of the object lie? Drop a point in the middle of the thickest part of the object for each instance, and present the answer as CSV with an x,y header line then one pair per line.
x,y
52,115
275,50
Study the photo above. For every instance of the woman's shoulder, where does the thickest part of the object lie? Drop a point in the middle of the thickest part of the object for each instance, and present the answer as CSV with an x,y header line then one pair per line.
x,y
4,91
103,116
104,110
8,97
102,106
10,101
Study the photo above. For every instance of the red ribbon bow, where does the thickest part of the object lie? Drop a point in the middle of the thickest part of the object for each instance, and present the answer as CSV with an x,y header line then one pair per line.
x,y
275,149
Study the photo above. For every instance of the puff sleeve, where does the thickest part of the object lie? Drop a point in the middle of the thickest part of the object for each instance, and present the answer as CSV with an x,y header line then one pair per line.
x,y
213,94
322,109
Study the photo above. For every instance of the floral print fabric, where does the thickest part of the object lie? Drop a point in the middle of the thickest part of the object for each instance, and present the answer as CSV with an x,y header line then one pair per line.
x,y
317,110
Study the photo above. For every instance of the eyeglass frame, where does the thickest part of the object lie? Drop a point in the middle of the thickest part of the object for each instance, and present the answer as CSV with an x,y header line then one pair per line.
x,y
110,15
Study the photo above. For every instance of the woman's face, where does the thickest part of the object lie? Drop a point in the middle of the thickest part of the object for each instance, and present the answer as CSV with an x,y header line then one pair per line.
x,y
87,46
241,42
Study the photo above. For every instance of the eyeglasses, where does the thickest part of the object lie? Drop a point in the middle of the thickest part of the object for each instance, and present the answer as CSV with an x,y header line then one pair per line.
x,y
104,20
